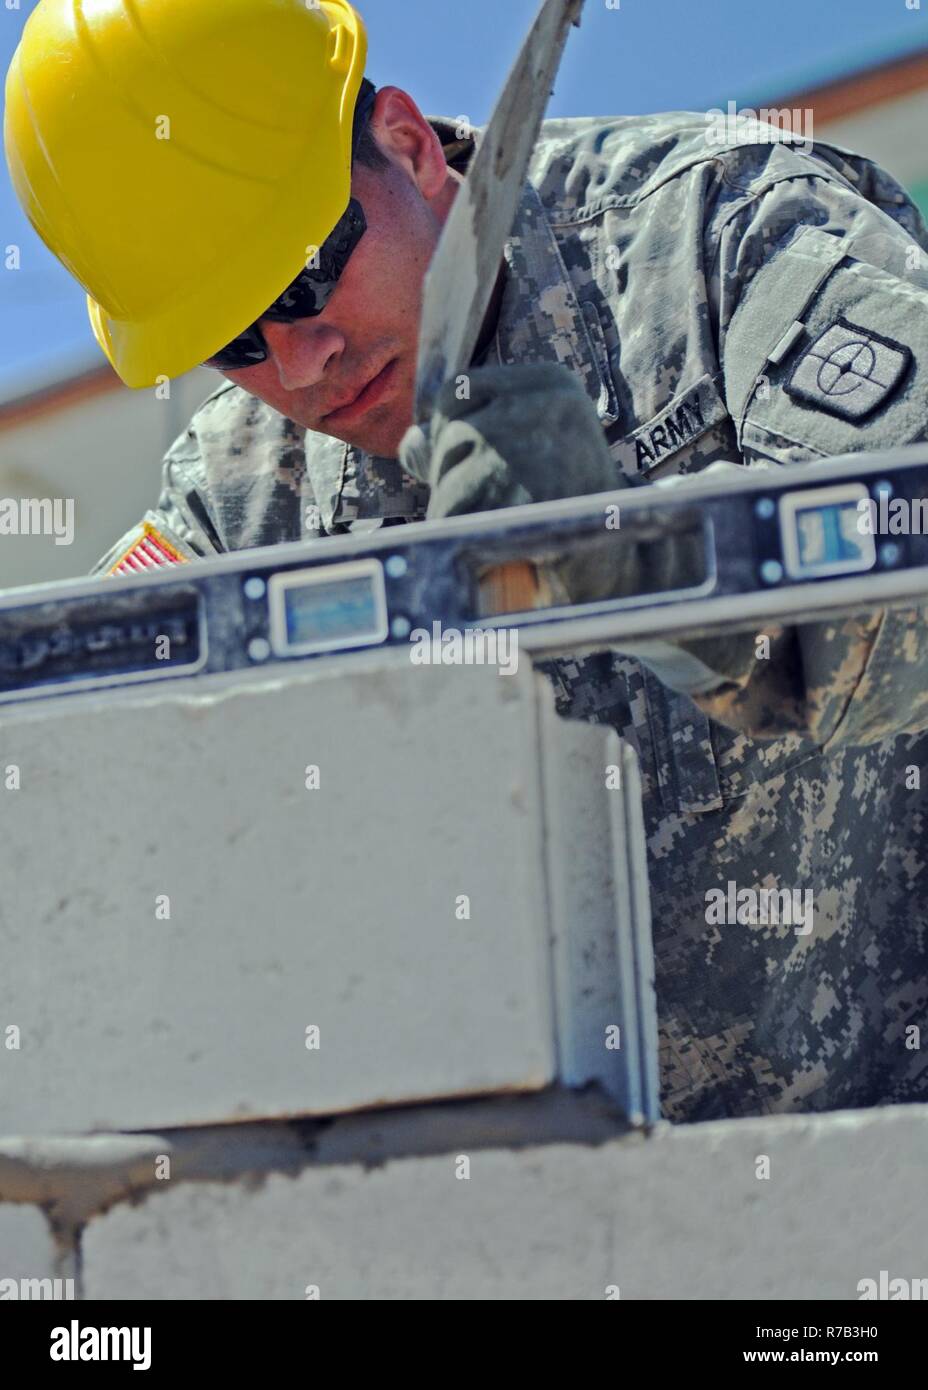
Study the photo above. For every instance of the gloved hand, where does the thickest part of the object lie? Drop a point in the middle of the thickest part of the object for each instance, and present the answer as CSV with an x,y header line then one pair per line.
x,y
526,434
529,433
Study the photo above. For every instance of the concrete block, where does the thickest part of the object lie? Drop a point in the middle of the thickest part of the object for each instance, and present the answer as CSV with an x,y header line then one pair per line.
x,y
27,1249
684,1213
599,912
340,908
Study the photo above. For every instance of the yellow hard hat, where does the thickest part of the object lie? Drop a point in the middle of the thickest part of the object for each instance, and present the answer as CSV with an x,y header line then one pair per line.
x,y
183,159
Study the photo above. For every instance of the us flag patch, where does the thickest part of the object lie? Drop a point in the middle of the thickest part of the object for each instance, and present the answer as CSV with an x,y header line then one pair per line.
x,y
149,551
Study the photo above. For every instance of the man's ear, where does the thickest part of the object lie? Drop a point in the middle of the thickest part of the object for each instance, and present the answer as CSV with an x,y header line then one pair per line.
x,y
405,136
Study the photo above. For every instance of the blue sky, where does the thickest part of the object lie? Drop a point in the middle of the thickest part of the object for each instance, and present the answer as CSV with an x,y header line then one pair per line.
x,y
645,55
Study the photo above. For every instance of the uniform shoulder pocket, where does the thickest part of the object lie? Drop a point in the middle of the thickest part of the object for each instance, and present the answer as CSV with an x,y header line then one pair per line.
x,y
827,352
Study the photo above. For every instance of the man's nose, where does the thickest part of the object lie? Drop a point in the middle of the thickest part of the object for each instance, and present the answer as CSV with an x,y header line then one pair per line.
x,y
302,351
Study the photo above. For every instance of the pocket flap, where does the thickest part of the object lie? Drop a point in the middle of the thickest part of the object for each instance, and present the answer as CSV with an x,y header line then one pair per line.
x,y
775,299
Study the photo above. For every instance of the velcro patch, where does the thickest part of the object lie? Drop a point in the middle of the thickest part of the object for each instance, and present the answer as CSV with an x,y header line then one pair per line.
x,y
849,371
149,551
690,414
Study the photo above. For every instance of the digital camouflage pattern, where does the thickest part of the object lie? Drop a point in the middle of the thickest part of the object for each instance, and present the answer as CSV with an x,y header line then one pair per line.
x,y
684,283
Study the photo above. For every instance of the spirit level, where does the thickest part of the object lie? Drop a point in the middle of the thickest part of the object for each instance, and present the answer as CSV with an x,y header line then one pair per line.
x,y
785,544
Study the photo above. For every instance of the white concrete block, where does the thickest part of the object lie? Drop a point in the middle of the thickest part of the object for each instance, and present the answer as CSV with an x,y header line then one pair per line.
x,y
27,1249
606,1009
340,908
682,1214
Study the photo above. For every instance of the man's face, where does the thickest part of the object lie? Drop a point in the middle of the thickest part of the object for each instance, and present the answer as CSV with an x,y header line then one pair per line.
x,y
350,371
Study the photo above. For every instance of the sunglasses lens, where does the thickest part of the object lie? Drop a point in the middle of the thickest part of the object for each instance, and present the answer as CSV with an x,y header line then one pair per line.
x,y
305,297
313,287
247,350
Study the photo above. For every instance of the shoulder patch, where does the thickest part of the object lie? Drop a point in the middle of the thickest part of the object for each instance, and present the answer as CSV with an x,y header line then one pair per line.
x,y
149,550
849,371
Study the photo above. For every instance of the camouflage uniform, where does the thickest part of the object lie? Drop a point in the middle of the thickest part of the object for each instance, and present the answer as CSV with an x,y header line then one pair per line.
x,y
689,286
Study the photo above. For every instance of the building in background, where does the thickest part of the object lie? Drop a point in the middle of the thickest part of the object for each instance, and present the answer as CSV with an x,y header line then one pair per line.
x,y
70,429
87,437
880,111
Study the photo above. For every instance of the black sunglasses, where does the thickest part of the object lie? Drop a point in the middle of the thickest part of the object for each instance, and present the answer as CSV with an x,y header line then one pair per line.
x,y
306,296
313,287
